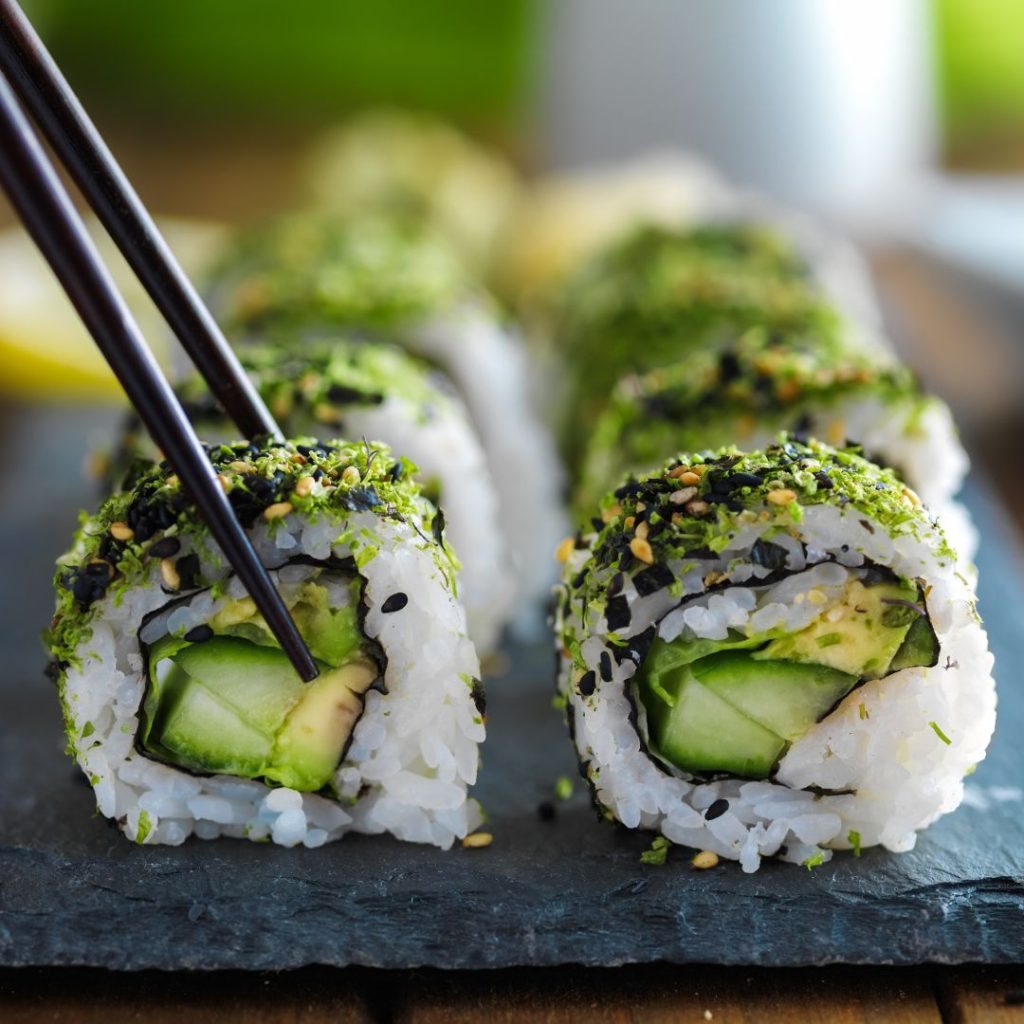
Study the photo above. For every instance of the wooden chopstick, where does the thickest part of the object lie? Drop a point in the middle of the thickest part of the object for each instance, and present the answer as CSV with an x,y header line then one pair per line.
x,y
49,216
46,95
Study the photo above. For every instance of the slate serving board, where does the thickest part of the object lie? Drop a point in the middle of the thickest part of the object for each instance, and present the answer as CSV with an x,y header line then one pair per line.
x,y
73,891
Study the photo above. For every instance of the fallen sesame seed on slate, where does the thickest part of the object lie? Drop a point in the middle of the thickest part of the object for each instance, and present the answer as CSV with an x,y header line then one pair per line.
x,y
395,603
546,810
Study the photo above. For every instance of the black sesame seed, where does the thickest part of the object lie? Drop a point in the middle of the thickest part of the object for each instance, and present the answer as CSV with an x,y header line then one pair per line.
x,y
716,810
605,665
546,810
825,482
395,603
597,523
588,683
479,697
738,480
616,584
199,635
437,527
167,547
867,526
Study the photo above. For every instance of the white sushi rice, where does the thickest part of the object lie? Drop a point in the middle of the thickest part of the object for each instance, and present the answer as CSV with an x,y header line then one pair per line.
x,y
414,750
489,367
442,443
882,742
921,444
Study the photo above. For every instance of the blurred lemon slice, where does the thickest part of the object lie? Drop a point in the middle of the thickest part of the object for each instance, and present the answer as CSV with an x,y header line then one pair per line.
x,y
45,352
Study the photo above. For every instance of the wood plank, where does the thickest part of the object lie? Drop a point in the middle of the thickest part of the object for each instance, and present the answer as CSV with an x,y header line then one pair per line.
x,y
663,994
101,997
972,995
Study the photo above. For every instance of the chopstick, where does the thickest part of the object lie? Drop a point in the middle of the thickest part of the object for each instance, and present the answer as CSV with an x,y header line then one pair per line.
x,y
44,91
49,216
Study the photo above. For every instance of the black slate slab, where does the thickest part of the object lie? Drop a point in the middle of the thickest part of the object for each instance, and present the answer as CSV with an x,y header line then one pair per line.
x,y
73,891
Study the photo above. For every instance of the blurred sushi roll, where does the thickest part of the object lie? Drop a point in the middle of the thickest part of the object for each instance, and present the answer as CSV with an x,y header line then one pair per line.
x,y
416,166
306,278
747,389
564,220
351,388
187,718
772,653
658,296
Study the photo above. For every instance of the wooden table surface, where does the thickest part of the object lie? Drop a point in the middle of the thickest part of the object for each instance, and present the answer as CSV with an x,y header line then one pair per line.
x,y
983,384
655,994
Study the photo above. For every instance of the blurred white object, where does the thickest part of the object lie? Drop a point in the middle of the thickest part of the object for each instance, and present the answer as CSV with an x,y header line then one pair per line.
x,y
976,224
826,104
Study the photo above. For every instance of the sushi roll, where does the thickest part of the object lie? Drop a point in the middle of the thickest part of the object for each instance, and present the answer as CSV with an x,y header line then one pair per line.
x,y
415,165
303,278
772,653
659,295
187,718
750,388
351,388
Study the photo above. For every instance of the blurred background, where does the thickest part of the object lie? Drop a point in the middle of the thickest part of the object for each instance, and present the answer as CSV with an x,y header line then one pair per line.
x,y
899,121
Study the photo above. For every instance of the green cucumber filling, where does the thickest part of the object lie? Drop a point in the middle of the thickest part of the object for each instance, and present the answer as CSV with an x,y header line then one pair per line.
x,y
735,705
229,702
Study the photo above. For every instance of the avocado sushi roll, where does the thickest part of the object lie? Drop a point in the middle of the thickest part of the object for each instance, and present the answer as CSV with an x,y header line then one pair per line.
x,y
304,278
400,163
748,388
352,388
187,718
658,296
566,219
772,653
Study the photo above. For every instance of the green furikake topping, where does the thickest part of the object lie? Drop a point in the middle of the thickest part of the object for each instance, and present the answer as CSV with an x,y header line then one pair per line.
x,y
814,861
309,387
938,732
658,851
148,522
749,385
369,272
694,506
662,293
853,838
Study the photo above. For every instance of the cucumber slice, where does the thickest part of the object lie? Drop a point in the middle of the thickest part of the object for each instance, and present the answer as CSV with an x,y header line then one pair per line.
x,y
701,732
785,697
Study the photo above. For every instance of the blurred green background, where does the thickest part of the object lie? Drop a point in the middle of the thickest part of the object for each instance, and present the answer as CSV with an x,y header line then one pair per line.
x,y
303,62
306,60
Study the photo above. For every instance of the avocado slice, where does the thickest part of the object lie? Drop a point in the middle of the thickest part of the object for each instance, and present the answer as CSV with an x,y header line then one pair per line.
x,y
233,704
310,744
860,635
734,705
332,634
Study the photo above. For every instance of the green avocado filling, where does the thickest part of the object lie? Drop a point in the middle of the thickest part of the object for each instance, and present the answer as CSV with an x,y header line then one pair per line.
x,y
735,705
231,703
